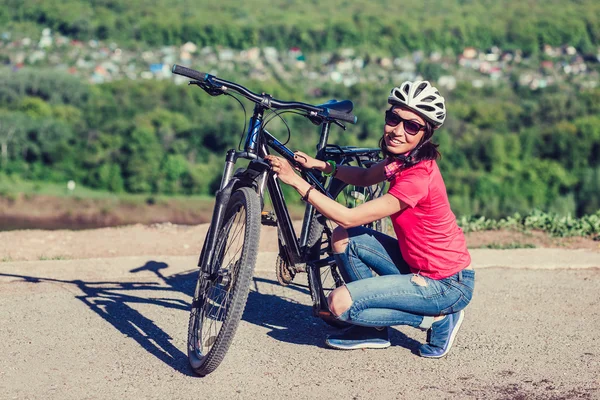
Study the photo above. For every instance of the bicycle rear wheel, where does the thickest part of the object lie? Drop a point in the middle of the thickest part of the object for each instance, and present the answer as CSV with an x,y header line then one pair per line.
x,y
352,196
219,300
324,279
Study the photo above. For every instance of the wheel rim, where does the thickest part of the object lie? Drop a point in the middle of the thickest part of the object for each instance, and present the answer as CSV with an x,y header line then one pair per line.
x,y
215,295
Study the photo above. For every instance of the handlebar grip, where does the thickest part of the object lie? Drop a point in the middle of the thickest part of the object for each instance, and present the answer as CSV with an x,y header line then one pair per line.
x,y
342,116
190,73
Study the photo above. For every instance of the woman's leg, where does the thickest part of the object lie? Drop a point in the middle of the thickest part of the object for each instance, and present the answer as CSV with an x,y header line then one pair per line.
x,y
395,297
361,251
403,299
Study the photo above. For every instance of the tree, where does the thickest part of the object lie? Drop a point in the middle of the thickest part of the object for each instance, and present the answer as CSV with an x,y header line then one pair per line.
x,y
12,129
144,155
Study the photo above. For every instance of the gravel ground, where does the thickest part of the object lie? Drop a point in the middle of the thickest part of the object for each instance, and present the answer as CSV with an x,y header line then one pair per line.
x,y
179,240
116,328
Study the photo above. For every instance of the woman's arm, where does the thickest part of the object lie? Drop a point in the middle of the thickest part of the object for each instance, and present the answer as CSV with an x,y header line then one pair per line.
x,y
346,217
361,176
352,175
370,211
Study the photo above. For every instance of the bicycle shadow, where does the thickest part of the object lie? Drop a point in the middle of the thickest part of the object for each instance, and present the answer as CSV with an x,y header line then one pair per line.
x,y
114,302
293,322
288,320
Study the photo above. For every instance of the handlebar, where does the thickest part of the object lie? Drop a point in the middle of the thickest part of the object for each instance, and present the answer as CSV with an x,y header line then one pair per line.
x,y
189,73
211,82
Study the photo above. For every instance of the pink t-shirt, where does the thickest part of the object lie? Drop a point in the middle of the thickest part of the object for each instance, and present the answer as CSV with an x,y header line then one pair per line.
x,y
430,240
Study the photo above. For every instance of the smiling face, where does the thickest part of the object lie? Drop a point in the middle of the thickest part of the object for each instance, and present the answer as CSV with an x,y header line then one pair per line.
x,y
396,139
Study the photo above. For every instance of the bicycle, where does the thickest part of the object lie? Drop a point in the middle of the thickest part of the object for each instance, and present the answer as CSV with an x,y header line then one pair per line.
x,y
230,248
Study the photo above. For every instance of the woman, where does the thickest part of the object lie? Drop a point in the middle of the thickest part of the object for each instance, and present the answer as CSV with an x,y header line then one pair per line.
x,y
423,278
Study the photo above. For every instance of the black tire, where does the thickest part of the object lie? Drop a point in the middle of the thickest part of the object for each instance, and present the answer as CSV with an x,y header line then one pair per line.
x,y
221,301
327,278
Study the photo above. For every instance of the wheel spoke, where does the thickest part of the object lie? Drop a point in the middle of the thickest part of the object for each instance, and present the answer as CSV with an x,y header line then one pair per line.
x,y
218,294
239,229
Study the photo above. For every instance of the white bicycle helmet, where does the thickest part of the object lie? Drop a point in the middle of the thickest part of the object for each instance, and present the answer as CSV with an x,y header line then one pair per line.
x,y
422,98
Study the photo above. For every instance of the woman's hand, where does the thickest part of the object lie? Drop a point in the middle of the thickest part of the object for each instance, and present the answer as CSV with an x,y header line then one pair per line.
x,y
309,162
283,169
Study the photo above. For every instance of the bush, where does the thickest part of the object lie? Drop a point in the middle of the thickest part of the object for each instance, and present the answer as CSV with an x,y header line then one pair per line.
x,y
555,225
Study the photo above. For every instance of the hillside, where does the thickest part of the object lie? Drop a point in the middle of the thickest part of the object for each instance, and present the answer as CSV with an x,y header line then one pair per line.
x,y
86,95
384,25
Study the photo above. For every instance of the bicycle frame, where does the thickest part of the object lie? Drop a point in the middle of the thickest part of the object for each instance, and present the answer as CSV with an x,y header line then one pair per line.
x,y
257,142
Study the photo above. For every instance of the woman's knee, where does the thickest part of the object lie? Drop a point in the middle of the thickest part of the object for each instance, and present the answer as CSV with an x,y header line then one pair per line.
x,y
339,301
339,239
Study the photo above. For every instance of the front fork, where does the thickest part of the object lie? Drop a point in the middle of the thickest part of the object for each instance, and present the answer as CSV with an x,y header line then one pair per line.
x,y
228,181
221,200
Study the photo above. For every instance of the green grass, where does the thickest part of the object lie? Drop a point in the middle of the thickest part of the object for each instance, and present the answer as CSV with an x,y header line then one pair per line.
x,y
11,188
553,224
47,258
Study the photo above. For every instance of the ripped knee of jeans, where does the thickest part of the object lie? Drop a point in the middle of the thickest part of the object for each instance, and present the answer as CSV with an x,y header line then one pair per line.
x,y
418,280
339,240
339,301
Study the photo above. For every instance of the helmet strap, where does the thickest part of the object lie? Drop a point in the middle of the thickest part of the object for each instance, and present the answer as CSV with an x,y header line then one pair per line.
x,y
408,158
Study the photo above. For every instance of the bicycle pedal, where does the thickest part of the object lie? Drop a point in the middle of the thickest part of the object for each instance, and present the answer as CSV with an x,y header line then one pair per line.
x,y
268,218
325,314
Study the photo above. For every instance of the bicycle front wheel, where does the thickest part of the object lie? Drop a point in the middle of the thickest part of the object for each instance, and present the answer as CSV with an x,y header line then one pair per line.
x,y
219,300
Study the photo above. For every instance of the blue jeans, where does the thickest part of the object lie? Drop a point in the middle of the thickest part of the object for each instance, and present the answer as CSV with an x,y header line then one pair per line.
x,y
395,296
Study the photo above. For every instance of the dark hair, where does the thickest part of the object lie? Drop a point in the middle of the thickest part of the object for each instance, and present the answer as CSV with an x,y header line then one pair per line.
x,y
425,149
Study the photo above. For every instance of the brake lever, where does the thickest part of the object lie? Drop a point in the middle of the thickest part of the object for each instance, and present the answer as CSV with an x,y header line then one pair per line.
x,y
211,90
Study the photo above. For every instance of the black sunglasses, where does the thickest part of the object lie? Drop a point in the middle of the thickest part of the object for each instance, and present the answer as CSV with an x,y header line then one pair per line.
x,y
411,127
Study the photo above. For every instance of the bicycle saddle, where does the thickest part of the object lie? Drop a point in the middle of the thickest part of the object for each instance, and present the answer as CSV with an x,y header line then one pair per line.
x,y
345,106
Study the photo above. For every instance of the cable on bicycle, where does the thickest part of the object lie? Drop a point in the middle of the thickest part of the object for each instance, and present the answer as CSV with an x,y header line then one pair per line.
x,y
245,118
271,117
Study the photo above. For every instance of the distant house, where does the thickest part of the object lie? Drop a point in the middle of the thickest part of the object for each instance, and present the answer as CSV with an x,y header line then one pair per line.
x,y
156,68
270,53
226,55
385,62
45,41
347,52
189,47
551,51
100,70
495,73
469,53
405,64
251,55
447,81
185,56
570,50
296,54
